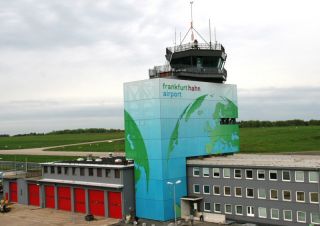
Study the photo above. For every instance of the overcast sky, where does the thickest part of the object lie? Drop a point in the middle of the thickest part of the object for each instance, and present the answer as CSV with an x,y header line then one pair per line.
x,y
63,63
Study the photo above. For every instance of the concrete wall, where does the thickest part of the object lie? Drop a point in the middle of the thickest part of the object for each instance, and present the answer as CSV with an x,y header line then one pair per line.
x,y
128,194
255,202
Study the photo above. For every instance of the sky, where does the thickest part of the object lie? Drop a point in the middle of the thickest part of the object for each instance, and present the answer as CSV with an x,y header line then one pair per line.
x,y
63,63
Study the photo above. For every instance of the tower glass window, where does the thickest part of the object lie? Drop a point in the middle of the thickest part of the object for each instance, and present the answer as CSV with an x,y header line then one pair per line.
x,y
300,197
239,210
238,191
249,174
227,191
250,193
313,177
207,207
250,211
273,194
301,217
237,173
206,189
90,171
196,171
286,175
196,188
216,172
205,172
216,190
286,195
228,209
274,214
226,172
59,169
314,197
299,176
261,174
315,218
287,215
273,175
262,193
262,211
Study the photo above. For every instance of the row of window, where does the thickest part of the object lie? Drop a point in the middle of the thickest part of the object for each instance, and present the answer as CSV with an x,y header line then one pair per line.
x,y
74,171
274,214
262,193
261,174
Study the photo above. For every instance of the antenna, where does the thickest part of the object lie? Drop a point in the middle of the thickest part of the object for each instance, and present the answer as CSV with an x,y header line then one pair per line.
x,y
215,36
175,36
210,32
191,27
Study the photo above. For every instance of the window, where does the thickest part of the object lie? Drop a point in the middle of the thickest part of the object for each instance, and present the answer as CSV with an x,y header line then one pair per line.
x,y
196,188
107,172
117,173
274,214
237,173
66,170
286,175
314,197
216,172
300,196
286,195
250,212
249,174
81,171
73,171
250,193
239,210
273,194
99,172
313,177
52,169
217,208
216,190
196,171
261,174
205,172
227,191
273,175
315,218
228,209
207,207
226,172
238,191
45,169
59,169
299,177
206,189
287,215
262,193
301,217
90,171
262,211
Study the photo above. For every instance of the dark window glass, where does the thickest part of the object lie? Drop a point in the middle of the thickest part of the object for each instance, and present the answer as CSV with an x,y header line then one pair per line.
x,y
90,171
117,173
66,170
107,172
250,192
59,169
73,171
45,169
51,169
81,171
273,175
286,175
99,172
249,174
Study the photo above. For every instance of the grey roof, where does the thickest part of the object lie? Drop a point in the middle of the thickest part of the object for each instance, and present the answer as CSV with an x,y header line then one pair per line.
x,y
260,160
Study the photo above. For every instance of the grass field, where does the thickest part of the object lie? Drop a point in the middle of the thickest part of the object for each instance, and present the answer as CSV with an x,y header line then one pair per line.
x,y
280,139
115,146
35,158
7,143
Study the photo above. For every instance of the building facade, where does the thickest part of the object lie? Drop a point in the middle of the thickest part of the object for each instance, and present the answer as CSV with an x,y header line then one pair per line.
x,y
262,189
102,187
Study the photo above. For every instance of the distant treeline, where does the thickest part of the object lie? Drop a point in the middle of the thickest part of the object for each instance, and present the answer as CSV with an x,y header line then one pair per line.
x,y
67,131
294,122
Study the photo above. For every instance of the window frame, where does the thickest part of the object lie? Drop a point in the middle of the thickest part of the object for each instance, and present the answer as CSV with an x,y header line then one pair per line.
x,y
252,193
264,173
204,207
236,210
286,200
203,173
248,170
203,189
235,192
251,211
224,190
304,197
317,175
271,172
194,170
278,213
214,191
266,215
213,173
45,169
82,171
265,192
286,180
117,173
52,170
234,174
305,216
194,190
284,215
271,194
310,193
214,207
59,170
311,218
90,172
223,172
295,176
225,209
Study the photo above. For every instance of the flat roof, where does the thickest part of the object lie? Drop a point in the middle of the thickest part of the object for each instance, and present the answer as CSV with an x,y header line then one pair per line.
x,y
260,160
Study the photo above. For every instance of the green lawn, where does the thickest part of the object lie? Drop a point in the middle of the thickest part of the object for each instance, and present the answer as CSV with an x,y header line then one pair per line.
x,y
7,143
279,139
115,146
35,158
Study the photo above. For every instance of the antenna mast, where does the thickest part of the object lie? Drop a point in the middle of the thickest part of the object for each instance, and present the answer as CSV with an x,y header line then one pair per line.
x,y
191,27
210,33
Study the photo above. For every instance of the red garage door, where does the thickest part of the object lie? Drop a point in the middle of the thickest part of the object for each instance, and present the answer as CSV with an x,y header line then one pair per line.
x,y
96,202
34,195
79,200
13,192
49,192
64,198
115,209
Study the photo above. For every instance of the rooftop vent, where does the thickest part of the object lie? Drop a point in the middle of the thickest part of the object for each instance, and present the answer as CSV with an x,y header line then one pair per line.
x,y
80,159
98,160
89,158
118,160
110,155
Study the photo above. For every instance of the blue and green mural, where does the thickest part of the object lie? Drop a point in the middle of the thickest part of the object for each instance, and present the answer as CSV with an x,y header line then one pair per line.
x,y
166,121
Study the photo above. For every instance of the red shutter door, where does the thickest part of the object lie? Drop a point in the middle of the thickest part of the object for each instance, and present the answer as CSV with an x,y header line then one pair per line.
x,y
34,194
115,208
96,202
49,193
79,200
13,187
64,198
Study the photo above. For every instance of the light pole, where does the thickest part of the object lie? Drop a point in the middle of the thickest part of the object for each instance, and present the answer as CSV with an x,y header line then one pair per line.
x,y
174,198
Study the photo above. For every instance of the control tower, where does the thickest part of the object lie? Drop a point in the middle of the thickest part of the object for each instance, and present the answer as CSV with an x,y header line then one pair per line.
x,y
183,110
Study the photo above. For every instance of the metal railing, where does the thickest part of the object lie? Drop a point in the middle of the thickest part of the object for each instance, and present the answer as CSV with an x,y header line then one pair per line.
x,y
19,166
188,46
